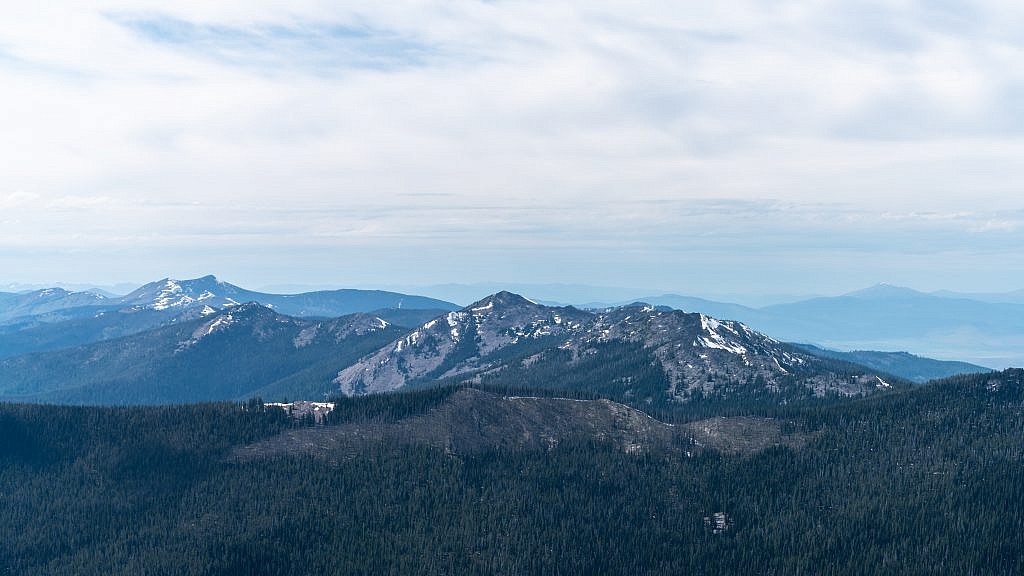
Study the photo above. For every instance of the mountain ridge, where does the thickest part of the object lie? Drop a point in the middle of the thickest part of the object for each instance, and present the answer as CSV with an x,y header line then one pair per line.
x,y
948,326
914,368
231,354
697,354
168,293
55,318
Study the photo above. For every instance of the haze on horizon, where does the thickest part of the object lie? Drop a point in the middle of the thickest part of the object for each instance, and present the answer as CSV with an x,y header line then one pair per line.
x,y
724,149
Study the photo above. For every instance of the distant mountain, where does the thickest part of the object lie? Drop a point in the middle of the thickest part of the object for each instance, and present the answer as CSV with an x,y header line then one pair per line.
x,y
241,352
109,290
50,304
907,366
54,318
209,291
1014,297
57,304
170,293
35,335
710,307
639,352
886,317
885,292
544,292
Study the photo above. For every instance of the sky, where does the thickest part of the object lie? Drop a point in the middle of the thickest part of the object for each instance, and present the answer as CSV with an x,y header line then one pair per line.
x,y
709,148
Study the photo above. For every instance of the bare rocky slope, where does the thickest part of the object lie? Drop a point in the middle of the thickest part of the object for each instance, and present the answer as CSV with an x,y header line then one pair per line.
x,y
506,338
471,421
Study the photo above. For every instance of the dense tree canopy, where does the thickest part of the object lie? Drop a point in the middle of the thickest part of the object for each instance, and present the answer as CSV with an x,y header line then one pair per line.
x,y
916,482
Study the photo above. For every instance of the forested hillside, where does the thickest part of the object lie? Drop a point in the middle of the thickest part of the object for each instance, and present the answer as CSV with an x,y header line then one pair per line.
x,y
922,481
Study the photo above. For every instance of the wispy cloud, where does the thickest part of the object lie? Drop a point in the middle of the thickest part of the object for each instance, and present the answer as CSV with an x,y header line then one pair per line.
x,y
318,47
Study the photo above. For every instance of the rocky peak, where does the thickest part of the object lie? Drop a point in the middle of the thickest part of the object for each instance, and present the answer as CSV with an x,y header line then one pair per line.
x,y
502,300
171,293
252,310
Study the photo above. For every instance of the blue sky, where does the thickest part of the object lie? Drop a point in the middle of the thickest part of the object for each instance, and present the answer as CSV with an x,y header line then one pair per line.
x,y
722,148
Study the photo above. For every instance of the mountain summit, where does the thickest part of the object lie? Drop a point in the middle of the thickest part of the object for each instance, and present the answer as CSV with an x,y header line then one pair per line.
x,y
886,292
636,350
209,291
170,293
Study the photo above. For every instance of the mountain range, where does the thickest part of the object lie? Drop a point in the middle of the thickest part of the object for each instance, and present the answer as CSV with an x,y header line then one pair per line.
x,y
54,318
175,341
914,368
987,330
170,294
982,329
507,436
241,352
651,356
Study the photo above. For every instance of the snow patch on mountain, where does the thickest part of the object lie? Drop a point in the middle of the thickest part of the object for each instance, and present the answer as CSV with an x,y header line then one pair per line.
x,y
453,323
170,296
221,323
699,354
215,325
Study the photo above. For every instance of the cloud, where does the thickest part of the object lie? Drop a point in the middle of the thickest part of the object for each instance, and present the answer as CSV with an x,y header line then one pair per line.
x,y
17,199
741,131
316,47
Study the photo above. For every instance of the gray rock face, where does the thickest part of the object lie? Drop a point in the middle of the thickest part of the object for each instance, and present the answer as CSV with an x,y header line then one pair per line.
x,y
699,354
458,342
339,329
697,351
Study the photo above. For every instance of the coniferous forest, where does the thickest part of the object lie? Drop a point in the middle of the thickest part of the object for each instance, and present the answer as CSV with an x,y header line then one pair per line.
x,y
926,480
